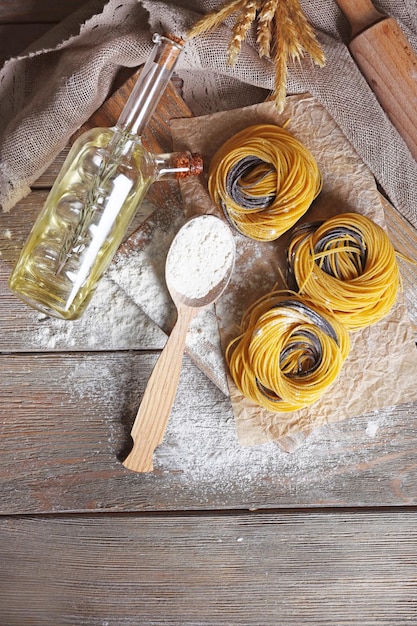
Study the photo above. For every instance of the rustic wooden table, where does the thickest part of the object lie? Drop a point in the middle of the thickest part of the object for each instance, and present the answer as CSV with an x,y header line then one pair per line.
x,y
218,534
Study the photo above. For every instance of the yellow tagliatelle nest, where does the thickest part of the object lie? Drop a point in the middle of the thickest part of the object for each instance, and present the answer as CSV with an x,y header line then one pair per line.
x,y
288,353
347,266
264,180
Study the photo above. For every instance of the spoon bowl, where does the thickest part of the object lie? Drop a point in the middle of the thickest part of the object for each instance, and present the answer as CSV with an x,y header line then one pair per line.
x,y
199,265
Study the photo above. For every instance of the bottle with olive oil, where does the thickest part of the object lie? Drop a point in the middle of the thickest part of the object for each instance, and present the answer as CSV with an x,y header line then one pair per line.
x,y
94,198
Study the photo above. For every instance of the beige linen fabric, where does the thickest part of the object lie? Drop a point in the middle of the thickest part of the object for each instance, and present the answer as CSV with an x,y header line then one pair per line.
x,y
48,92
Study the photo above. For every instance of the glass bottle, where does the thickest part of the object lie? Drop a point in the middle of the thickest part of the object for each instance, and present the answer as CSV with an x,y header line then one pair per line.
x,y
95,196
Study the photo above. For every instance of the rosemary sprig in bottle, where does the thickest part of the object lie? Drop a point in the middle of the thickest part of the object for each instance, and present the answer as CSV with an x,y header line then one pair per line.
x,y
76,240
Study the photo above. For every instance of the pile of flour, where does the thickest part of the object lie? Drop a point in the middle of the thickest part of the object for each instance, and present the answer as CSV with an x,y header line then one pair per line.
x,y
200,257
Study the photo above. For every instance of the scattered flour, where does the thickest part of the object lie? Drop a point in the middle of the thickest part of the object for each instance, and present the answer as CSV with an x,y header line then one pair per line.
x,y
111,321
372,428
208,456
201,451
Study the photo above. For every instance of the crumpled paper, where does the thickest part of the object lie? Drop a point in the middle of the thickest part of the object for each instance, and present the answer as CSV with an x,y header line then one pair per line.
x,y
381,369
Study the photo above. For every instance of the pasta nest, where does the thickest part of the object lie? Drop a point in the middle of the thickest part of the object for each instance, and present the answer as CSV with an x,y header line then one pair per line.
x,y
264,180
288,353
347,266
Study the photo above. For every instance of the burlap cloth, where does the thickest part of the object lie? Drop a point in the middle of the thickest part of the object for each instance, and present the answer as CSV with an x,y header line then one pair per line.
x,y
51,89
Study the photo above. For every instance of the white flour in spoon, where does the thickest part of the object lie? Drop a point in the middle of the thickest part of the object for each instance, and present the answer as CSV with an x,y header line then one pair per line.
x,y
200,256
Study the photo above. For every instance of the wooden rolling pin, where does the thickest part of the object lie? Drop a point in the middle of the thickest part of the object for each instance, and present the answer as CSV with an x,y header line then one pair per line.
x,y
388,62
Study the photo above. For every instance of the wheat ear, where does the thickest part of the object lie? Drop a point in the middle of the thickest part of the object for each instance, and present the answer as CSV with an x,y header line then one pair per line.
x,y
240,30
304,33
264,31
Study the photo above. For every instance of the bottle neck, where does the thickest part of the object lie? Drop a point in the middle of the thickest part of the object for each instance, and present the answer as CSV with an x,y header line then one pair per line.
x,y
150,86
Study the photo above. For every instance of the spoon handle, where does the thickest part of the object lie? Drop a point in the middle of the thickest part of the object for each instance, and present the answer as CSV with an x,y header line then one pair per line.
x,y
151,420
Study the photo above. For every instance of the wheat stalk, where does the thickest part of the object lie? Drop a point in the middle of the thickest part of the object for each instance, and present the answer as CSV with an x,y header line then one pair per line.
x,y
264,32
283,34
215,18
280,52
241,28
304,32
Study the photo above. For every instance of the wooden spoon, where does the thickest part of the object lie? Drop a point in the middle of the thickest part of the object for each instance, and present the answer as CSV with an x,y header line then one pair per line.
x,y
199,265
388,62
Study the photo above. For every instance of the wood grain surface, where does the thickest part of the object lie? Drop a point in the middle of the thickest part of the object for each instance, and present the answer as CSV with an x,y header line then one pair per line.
x,y
22,22
272,569
65,420
388,62
14,38
33,12
218,535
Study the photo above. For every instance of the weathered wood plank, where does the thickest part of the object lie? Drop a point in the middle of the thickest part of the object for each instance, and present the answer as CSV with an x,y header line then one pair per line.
x,y
14,38
64,419
404,238
247,569
27,11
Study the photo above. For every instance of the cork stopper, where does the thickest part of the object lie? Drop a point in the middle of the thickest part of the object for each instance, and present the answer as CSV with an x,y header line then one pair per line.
x,y
189,164
196,164
175,39
171,47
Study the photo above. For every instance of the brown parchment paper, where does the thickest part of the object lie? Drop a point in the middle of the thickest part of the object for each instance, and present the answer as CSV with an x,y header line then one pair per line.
x,y
381,369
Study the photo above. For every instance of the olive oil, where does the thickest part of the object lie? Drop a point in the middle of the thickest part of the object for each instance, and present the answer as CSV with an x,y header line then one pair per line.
x,y
88,210
83,222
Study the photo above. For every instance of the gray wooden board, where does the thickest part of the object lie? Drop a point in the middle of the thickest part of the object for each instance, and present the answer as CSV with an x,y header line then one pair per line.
x,y
65,418
288,569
